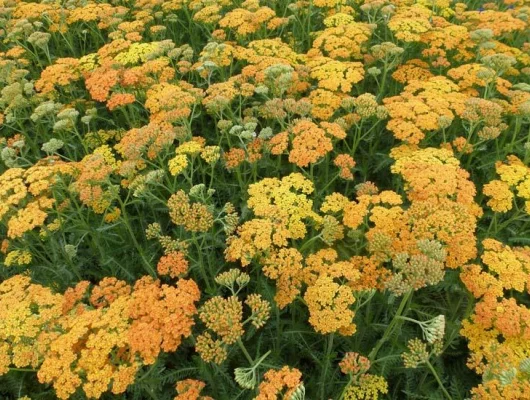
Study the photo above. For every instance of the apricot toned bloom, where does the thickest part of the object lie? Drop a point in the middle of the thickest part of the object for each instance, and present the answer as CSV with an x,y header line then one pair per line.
x,y
107,291
155,308
119,100
172,264
354,364
346,163
285,267
234,158
282,383
61,73
190,389
75,346
92,181
310,143
422,106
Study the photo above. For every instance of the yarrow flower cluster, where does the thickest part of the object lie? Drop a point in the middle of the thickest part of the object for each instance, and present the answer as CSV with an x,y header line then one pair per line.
x,y
97,344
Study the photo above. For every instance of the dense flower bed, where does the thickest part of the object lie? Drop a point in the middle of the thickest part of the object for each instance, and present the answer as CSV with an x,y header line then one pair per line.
x,y
265,199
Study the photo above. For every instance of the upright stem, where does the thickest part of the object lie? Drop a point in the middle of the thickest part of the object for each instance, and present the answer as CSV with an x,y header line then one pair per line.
x,y
391,326
433,371
245,352
202,267
345,388
125,220
329,347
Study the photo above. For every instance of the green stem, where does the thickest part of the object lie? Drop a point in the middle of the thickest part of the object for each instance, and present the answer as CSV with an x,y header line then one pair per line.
x,y
125,220
433,371
23,369
329,347
409,319
307,243
391,326
263,357
345,388
245,352
202,267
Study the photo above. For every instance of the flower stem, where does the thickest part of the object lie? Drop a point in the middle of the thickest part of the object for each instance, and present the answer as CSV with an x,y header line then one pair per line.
x,y
391,326
329,347
433,371
345,388
245,352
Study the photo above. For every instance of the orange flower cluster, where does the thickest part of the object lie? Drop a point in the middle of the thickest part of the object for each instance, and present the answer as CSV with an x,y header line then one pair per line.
x,y
424,107
190,389
61,73
284,383
137,143
346,163
92,181
98,345
499,329
309,141
500,23
445,211
172,264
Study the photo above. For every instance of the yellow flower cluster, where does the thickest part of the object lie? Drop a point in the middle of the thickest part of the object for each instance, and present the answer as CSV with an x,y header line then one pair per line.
x,y
342,42
329,306
25,194
336,75
408,23
514,183
169,103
